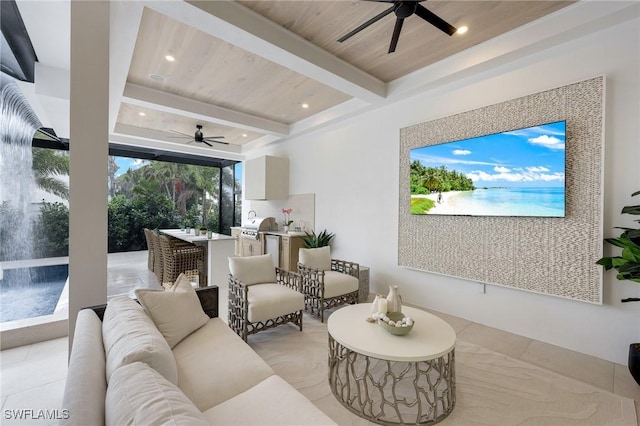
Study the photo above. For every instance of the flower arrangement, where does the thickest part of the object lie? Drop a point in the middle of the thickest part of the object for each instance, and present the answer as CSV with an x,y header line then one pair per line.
x,y
286,213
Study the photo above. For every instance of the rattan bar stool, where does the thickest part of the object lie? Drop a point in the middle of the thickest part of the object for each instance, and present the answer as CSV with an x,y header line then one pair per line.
x,y
178,258
148,234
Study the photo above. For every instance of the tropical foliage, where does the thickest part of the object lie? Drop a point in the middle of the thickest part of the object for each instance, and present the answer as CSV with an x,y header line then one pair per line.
x,y
311,240
628,263
52,231
421,205
129,216
168,195
425,180
48,165
156,195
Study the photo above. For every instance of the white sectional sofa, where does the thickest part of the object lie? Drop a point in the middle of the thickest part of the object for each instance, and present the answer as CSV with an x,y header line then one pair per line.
x,y
146,366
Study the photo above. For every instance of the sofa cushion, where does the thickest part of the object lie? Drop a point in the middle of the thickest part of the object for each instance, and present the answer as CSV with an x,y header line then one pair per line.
x,y
316,258
176,313
139,395
86,386
129,335
215,364
272,300
253,269
336,284
180,281
271,402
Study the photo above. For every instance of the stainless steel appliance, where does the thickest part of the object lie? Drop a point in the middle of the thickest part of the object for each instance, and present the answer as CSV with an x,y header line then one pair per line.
x,y
272,247
252,227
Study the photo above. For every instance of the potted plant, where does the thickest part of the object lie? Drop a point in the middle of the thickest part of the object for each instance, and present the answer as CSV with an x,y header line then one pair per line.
x,y
287,220
203,230
311,240
628,267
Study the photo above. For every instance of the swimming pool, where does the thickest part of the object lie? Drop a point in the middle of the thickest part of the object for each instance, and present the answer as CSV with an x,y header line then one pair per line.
x,y
19,301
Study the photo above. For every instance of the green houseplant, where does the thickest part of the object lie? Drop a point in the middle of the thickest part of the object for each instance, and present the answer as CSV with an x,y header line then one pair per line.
x,y
628,267
311,240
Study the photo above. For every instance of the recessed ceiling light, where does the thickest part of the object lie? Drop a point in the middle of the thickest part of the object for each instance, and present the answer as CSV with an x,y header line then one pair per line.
x,y
141,114
157,77
305,105
244,135
170,58
463,29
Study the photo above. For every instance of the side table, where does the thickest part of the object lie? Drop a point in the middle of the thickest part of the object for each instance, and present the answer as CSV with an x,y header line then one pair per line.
x,y
388,379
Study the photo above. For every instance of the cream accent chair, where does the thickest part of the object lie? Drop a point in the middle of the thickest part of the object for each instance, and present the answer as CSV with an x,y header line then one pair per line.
x,y
262,296
326,282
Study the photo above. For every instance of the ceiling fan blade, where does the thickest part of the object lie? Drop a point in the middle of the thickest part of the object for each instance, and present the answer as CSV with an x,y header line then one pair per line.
x,y
192,140
214,137
396,34
366,24
180,133
435,20
212,141
207,143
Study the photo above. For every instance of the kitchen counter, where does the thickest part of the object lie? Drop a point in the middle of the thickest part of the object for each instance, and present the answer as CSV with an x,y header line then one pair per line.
x,y
287,234
219,247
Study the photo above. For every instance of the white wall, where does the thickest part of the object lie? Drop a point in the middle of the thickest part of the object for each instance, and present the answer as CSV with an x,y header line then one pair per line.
x,y
353,170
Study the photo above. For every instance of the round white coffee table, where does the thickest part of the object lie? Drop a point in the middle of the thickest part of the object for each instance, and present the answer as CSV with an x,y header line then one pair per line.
x,y
392,379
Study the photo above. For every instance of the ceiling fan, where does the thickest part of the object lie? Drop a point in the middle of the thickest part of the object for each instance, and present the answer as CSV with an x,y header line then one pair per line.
x,y
403,9
199,137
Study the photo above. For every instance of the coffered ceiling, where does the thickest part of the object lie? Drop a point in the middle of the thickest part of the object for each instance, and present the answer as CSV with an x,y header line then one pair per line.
x,y
257,72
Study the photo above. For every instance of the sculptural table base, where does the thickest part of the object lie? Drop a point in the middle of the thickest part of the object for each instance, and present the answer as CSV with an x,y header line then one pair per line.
x,y
392,392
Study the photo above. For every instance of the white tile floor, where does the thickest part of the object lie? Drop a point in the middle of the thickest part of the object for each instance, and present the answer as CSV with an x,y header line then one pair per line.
x,y
33,376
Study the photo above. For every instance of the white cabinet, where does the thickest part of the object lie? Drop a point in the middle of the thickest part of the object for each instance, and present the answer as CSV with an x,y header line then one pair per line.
x,y
289,248
251,247
266,178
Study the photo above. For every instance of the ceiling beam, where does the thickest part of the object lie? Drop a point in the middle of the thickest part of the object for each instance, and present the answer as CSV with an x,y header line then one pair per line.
x,y
168,102
125,21
244,28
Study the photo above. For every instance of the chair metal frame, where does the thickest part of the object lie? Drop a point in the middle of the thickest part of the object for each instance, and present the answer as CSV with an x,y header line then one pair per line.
x,y
239,305
313,287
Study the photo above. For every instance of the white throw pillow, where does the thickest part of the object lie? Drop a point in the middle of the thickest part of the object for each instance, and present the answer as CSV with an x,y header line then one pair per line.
x,y
129,335
182,279
138,395
316,258
176,313
253,269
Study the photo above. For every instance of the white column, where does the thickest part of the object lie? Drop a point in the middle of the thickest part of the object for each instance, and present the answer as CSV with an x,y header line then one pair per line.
x,y
88,153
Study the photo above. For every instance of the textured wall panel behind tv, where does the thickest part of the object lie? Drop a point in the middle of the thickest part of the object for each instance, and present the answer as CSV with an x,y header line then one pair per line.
x,y
554,256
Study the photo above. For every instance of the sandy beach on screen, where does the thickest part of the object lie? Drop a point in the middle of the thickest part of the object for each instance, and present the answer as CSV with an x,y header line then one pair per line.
x,y
448,204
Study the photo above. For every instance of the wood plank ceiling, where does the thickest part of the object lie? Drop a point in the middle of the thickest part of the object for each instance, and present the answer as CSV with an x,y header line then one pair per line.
x,y
214,72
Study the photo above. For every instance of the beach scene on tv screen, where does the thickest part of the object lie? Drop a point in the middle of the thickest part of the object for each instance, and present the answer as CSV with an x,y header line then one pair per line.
x,y
514,173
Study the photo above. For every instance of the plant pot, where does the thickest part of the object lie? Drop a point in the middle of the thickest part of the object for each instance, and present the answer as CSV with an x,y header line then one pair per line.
x,y
203,232
634,361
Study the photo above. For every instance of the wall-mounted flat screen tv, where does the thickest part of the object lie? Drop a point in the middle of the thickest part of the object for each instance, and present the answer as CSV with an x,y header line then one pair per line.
x,y
514,173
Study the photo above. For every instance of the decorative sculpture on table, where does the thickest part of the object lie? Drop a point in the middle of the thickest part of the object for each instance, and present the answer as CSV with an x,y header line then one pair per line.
x,y
394,301
388,312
